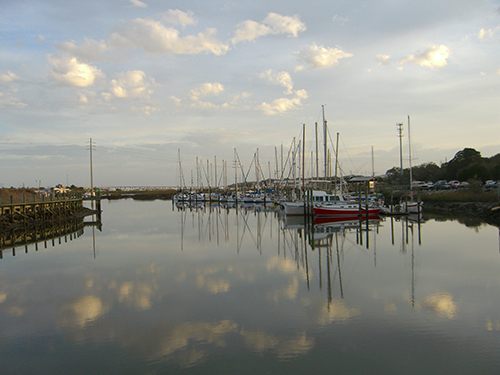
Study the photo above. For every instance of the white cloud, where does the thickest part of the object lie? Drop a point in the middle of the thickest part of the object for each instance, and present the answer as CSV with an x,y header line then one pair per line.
x,y
273,24
8,78
434,57
249,30
40,38
178,17
138,4
206,89
383,60
130,85
89,51
483,33
283,104
154,37
71,72
281,78
284,24
316,57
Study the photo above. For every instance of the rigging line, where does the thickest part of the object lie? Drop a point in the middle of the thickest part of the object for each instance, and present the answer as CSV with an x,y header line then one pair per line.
x,y
250,230
250,167
347,152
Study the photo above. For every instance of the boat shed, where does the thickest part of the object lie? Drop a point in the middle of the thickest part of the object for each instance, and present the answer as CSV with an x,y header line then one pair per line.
x,y
370,181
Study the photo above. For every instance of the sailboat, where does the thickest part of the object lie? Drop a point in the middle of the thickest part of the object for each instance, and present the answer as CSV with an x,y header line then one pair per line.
x,y
408,204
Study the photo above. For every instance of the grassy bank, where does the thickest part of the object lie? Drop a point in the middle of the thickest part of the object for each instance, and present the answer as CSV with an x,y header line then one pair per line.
x,y
461,196
140,194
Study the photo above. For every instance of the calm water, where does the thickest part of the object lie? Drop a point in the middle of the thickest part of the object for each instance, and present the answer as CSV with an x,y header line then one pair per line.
x,y
244,292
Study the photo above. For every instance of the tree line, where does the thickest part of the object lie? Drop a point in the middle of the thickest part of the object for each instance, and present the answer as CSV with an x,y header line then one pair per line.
x,y
466,165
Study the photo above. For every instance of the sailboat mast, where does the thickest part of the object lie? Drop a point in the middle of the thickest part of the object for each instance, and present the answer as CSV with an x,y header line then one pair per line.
x,y
235,175
325,143
336,162
317,160
409,154
303,156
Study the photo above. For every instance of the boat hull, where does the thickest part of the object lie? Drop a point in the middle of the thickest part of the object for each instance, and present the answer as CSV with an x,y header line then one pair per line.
x,y
344,211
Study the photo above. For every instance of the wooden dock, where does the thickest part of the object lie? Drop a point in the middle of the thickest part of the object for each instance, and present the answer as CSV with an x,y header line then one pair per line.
x,y
42,221
43,210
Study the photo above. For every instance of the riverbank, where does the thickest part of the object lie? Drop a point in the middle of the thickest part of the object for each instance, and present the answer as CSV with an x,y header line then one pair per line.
x,y
487,211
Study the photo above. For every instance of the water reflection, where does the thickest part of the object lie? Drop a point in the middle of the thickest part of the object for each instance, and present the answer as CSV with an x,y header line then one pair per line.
x,y
44,233
223,290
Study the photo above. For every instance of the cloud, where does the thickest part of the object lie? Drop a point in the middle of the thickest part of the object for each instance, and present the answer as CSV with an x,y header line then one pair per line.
x,y
71,72
282,105
260,342
317,57
434,57
273,24
83,311
281,78
206,89
138,4
178,17
249,30
8,78
181,335
89,51
284,24
130,85
383,60
483,33
11,98
442,304
136,294
40,39
333,311
341,20
154,37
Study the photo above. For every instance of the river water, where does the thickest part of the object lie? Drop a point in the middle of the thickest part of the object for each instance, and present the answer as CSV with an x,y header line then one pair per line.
x,y
223,291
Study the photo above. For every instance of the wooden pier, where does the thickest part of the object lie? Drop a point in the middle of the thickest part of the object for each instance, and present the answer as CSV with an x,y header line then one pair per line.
x,y
42,221
43,210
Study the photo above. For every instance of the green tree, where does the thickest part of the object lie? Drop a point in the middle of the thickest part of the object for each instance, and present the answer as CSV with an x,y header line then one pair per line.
x,y
462,160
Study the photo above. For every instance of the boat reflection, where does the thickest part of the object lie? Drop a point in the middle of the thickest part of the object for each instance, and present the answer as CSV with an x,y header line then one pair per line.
x,y
307,241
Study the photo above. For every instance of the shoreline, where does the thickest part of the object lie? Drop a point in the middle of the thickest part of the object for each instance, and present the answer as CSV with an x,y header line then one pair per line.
x,y
489,212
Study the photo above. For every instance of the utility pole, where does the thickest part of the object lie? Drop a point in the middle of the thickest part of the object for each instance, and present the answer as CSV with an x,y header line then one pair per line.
x,y
399,126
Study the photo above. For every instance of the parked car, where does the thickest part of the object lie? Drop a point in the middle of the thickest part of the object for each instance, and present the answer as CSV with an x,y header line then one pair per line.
x,y
491,185
464,185
441,184
454,184
421,185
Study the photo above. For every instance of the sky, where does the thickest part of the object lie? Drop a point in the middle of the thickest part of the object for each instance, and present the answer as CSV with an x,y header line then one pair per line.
x,y
158,85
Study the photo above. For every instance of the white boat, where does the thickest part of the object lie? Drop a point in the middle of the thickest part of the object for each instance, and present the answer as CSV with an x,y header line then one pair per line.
x,y
347,208
319,197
